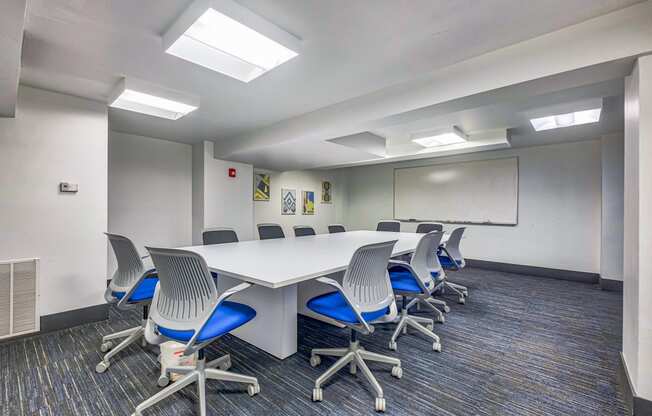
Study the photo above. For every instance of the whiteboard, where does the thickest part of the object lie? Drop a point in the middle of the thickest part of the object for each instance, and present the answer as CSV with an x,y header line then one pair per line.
x,y
477,192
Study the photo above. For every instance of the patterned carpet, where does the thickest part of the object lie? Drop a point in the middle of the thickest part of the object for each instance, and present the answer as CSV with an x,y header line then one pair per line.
x,y
520,346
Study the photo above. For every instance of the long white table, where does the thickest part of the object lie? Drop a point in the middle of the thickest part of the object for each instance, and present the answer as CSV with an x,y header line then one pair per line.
x,y
277,267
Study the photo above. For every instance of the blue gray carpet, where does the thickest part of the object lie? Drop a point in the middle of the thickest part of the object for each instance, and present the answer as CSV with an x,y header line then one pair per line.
x,y
520,346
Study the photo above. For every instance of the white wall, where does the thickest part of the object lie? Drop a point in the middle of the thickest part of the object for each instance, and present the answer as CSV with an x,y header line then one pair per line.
x,y
611,252
637,308
325,214
558,213
150,192
218,200
56,138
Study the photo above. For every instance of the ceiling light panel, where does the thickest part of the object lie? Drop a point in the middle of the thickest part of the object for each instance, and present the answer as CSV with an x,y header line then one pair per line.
x,y
155,101
225,37
440,138
566,120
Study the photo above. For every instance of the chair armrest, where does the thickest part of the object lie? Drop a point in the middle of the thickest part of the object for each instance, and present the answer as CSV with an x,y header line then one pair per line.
x,y
358,314
393,263
225,295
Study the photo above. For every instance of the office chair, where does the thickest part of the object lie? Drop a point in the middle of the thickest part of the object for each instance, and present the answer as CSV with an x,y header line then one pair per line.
x,y
303,230
389,225
336,228
187,308
270,231
132,284
416,280
219,236
426,227
364,296
451,258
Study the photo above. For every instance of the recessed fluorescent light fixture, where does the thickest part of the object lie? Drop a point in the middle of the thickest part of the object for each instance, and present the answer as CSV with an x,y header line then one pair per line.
x,y
223,36
566,120
146,98
440,138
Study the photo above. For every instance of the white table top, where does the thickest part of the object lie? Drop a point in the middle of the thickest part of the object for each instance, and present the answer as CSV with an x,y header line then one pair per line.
x,y
286,261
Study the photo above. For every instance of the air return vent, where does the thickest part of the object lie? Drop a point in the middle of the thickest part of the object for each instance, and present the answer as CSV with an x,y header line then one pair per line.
x,y
18,297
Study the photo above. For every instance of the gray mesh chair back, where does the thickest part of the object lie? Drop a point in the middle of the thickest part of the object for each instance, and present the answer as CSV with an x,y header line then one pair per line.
x,y
130,265
426,227
425,261
219,236
453,246
270,231
336,228
393,226
303,230
186,294
366,281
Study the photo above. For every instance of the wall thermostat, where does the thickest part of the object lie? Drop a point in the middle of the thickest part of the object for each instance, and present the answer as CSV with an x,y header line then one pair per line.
x,y
68,187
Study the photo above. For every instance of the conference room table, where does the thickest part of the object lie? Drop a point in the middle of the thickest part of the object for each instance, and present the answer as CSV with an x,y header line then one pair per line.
x,y
277,267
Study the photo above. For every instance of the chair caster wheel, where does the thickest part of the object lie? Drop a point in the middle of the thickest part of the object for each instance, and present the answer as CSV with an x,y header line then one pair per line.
x,y
431,327
106,346
317,395
441,319
461,300
353,369
392,345
225,365
163,381
397,372
380,404
101,367
436,347
315,360
405,330
447,309
253,389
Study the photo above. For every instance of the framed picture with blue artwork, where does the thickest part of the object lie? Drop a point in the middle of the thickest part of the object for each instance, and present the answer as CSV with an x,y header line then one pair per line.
x,y
288,201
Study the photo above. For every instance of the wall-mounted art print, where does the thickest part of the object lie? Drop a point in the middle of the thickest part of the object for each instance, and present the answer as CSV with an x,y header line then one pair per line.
x,y
326,193
261,187
288,201
308,203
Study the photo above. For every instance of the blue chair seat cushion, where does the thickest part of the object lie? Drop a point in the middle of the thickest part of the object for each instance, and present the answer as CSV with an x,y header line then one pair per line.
x,y
446,262
403,280
334,306
144,291
227,317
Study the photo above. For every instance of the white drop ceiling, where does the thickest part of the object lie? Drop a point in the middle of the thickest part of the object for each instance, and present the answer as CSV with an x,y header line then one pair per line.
x,y
349,48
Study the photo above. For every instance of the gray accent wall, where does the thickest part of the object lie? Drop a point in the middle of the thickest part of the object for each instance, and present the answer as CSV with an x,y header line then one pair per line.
x,y
559,212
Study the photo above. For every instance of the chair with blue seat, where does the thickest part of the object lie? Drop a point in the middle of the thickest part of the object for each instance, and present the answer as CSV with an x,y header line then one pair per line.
x,y
336,228
451,258
187,308
417,280
303,230
132,285
219,236
389,225
270,231
426,227
363,298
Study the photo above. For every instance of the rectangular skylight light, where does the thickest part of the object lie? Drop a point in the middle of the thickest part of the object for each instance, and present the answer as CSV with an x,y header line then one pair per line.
x,y
140,98
453,136
227,38
566,120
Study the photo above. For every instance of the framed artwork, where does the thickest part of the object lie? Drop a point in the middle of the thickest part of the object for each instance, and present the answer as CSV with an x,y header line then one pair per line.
x,y
288,201
326,193
261,187
308,203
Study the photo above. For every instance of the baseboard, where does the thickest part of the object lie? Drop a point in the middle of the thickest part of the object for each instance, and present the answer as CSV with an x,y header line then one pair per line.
x,y
75,317
636,406
611,285
535,271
